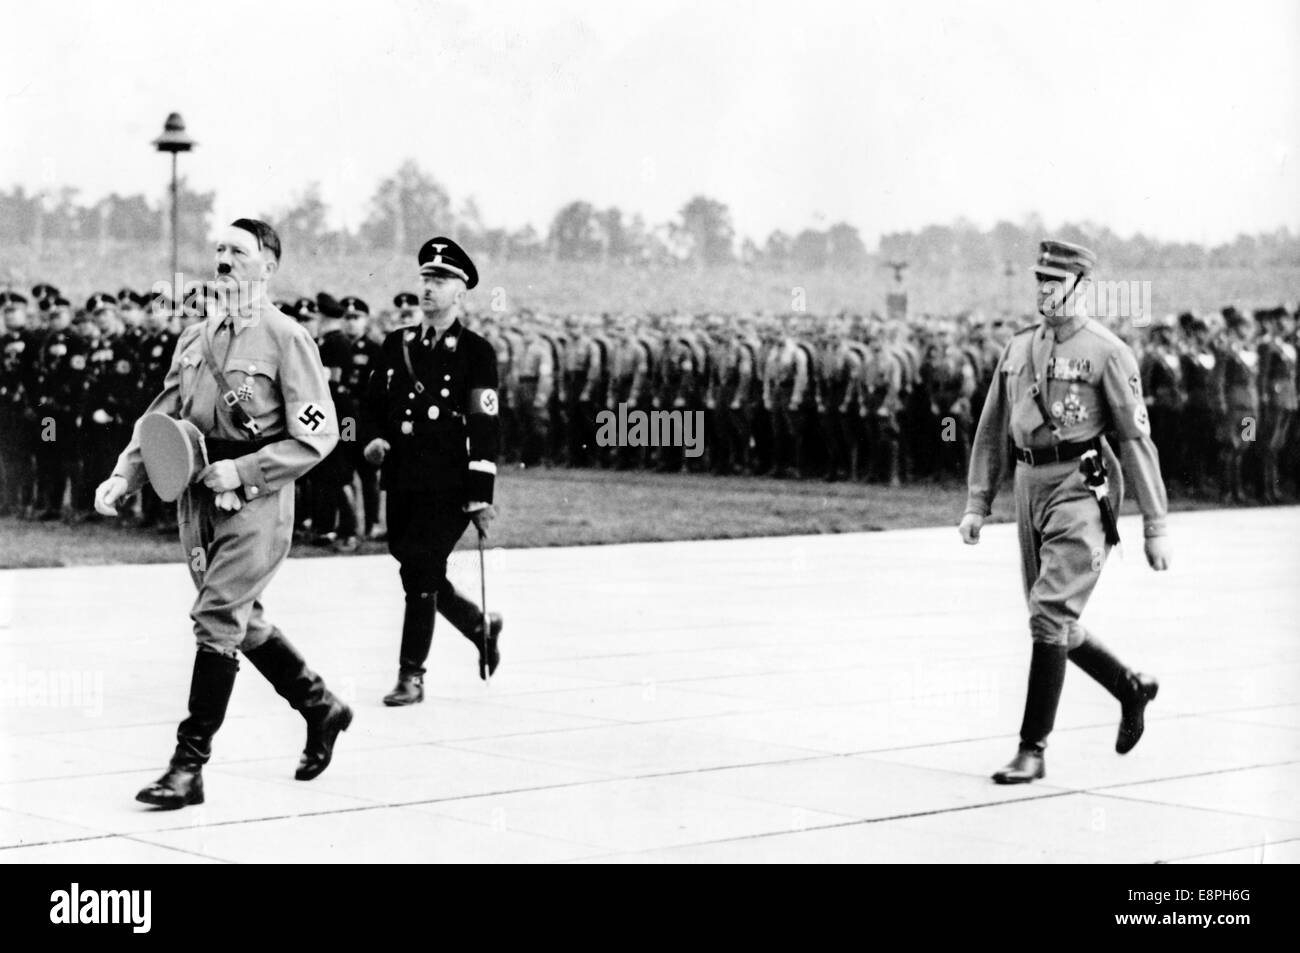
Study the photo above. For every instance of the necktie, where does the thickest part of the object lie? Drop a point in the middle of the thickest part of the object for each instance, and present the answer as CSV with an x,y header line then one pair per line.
x,y
221,342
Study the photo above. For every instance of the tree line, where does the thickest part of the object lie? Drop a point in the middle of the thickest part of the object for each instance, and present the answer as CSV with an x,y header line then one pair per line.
x,y
411,203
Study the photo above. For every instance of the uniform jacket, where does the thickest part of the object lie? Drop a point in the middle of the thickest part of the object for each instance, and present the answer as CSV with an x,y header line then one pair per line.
x,y
444,434
1091,385
273,369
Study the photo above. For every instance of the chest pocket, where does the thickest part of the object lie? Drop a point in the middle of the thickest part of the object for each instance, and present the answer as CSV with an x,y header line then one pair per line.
x,y
192,369
253,380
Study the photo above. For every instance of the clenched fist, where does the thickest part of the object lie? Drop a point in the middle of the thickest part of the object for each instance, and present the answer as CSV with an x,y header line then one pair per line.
x,y
376,450
221,476
108,494
970,527
1158,552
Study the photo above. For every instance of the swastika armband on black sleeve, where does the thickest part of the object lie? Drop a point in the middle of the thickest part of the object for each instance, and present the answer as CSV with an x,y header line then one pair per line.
x,y
484,400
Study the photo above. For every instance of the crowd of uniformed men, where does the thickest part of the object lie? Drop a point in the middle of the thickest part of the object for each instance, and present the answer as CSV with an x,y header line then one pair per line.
x,y
841,397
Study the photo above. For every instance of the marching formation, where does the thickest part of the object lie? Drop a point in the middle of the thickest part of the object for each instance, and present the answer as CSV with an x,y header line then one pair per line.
x,y
839,397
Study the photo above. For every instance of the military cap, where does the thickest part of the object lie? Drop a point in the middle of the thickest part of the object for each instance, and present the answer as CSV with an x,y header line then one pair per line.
x,y
405,299
1064,260
44,291
301,308
58,301
11,299
1232,317
99,302
174,453
442,256
328,306
352,304
124,295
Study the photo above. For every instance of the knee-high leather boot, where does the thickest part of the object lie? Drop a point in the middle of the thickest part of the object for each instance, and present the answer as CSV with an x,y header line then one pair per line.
x,y
305,691
211,683
417,636
469,620
1046,678
1132,689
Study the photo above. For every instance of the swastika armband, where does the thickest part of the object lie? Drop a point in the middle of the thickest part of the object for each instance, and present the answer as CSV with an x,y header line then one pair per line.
x,y
308,419
483,400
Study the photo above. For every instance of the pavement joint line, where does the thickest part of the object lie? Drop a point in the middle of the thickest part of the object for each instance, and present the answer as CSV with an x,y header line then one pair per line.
x,y
178,850
1130,799
1196,774
861,822
1212,853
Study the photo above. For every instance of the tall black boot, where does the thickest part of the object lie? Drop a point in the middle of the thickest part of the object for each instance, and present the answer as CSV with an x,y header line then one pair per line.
x,y
212,682
417,636
469,620
305,691
1133,689
1046,677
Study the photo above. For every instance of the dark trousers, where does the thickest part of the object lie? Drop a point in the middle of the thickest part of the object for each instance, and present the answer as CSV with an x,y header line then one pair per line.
x,y
57,460
16,456
423,529
332,506
369,475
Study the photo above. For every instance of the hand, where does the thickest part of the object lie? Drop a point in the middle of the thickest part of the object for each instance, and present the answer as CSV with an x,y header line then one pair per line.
x,y
221,476
108,494
229,501
1158,552
376,450
970,527
482,515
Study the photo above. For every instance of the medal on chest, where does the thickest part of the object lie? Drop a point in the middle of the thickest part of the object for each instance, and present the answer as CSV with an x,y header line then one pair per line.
x,y
245,391
1070,410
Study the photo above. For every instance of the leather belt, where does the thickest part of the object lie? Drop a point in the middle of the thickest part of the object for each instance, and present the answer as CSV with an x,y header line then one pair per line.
x,y
233,449
1060,453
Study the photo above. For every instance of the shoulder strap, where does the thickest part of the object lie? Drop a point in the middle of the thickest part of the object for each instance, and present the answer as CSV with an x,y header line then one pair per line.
x,y
410,369
228,396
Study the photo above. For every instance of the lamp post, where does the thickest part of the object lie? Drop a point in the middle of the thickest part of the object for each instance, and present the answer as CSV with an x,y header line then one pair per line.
x,y
175,141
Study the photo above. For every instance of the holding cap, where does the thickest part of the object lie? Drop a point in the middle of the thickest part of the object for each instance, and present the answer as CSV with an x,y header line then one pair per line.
x,y
442,256
1064,260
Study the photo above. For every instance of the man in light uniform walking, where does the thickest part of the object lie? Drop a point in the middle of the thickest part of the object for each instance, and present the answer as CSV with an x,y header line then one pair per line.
x,y
1058,386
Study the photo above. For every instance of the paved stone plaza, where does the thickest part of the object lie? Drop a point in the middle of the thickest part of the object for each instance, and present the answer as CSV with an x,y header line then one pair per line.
x,y
828,698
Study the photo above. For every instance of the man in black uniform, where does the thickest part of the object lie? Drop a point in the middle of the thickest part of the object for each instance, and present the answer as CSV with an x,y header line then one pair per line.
x,y
364,353
109,406
17,442
334,515
153,359
59,376
431,419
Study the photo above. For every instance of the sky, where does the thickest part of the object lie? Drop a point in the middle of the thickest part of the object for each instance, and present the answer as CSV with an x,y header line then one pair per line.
x,y
1180,120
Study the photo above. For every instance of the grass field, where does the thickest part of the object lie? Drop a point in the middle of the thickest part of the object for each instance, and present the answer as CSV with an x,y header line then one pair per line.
x,y
580,508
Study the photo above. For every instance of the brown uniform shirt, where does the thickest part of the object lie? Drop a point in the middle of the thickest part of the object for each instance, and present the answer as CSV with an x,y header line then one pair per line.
x,y
1091,384
273,366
